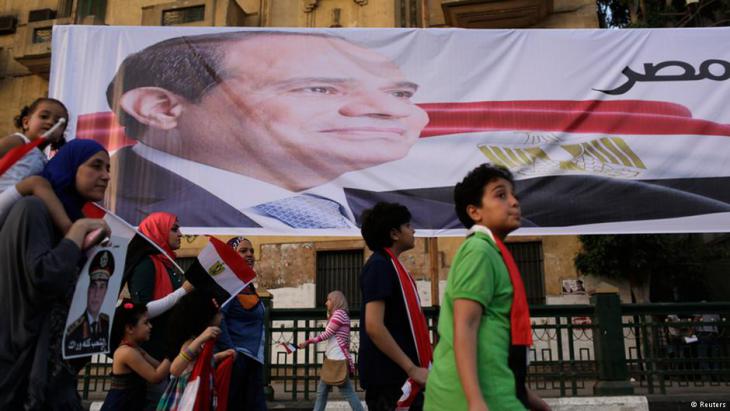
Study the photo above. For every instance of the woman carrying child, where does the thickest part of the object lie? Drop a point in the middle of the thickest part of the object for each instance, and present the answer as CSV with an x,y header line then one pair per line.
x,y
38,270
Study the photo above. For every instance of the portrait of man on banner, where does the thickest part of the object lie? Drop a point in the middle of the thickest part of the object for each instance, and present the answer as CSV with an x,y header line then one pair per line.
x,y
255,126
90,316
287,132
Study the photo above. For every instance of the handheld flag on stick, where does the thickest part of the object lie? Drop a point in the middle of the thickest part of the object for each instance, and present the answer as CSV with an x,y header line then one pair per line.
x,y
289,347
220,271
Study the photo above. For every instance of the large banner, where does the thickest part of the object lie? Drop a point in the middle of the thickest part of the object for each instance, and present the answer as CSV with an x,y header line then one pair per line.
x,y
294,132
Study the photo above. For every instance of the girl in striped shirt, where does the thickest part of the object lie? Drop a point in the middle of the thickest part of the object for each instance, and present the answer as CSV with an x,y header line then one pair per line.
x,y
337,336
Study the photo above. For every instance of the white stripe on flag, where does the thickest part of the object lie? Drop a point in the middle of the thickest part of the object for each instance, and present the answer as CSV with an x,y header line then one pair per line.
x,y
222,274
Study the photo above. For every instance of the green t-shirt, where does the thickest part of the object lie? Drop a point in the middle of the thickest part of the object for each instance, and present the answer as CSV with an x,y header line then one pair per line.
x,y
478,273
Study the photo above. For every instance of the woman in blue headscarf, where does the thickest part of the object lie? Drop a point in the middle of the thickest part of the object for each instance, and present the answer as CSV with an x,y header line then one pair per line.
x,y
38,271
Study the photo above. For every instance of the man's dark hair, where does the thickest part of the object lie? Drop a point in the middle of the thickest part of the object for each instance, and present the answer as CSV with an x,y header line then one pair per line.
x,y
471,189
187,66
379,220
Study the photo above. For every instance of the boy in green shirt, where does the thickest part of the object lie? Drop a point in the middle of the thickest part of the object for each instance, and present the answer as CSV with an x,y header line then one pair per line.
x,y
480,362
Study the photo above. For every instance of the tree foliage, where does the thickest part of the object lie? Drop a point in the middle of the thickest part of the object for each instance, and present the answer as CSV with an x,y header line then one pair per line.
x,y
615,256
663,13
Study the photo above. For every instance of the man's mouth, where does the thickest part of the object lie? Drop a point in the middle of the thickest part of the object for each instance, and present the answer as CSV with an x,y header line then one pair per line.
x,y
367,131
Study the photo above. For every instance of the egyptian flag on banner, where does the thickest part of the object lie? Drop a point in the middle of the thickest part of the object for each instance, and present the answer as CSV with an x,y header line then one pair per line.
x,y
220,271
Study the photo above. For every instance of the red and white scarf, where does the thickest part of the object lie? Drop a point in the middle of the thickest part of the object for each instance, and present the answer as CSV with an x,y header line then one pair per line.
x,y
419,330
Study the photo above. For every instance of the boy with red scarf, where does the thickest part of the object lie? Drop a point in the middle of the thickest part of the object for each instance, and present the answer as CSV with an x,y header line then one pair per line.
x,y
395,348
480,362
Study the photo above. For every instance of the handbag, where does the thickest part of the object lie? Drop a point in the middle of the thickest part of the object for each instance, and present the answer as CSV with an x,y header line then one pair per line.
x,y
334,372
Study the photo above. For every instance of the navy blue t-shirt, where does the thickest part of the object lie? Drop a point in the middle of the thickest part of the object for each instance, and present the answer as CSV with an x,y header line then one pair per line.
x,y
379,282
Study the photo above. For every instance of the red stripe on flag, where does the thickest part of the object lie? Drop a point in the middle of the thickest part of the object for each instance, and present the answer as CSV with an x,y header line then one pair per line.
x,y
92,210
637,117
12,156
233,260
104,128
223,382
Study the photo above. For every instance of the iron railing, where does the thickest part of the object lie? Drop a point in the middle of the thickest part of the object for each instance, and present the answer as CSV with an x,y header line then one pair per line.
x,y
655,354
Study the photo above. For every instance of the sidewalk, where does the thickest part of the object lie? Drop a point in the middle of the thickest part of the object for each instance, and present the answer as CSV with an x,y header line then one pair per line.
x,y
672,402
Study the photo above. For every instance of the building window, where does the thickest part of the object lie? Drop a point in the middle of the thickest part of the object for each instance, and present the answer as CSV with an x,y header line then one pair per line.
x,y
339,270
42,35
183,15
529,259
91,8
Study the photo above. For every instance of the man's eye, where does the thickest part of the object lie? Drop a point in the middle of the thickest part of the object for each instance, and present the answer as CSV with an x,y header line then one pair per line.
x,y
317,90
402,94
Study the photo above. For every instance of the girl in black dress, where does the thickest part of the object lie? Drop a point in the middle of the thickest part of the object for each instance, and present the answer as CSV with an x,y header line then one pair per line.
x,y
133,368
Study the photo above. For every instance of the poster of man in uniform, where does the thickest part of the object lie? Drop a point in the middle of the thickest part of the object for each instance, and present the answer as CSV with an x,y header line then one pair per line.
x,y
90,318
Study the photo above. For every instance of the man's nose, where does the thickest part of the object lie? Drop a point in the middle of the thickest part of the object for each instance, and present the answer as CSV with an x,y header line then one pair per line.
x,y
375,103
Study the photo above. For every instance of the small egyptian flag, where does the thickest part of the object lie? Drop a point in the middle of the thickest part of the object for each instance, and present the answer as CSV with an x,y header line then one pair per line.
x,y
289,347
198,392
220,271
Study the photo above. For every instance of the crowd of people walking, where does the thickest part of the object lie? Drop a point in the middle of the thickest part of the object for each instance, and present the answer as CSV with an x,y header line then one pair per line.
x,y
167,329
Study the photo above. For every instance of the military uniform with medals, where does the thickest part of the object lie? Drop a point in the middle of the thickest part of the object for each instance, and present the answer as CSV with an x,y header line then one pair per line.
x,y
84,336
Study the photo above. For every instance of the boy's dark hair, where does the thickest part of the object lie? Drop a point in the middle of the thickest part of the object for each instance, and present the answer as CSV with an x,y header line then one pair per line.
x,y
471,189
32,107
128,313
187,66
188,319
379,220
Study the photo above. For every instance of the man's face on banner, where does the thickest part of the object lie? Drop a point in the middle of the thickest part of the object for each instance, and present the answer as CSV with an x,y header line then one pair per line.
x,y
95,296
305,109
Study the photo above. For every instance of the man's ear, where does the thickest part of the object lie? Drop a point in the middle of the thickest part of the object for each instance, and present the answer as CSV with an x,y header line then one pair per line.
x,y
153,106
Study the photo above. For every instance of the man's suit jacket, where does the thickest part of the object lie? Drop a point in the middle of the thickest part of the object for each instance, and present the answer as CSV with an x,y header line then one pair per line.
x,y
142,187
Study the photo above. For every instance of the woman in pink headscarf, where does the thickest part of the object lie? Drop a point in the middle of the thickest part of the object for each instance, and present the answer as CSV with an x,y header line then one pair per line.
x,y
155,282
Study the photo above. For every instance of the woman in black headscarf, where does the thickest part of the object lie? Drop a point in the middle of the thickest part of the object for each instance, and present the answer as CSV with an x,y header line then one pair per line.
x,y
38,271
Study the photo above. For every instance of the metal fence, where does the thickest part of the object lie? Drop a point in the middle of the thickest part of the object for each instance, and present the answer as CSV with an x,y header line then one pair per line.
x,y
659,348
